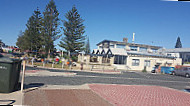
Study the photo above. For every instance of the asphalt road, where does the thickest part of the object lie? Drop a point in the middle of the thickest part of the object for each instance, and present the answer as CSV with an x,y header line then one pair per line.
x,y
126,78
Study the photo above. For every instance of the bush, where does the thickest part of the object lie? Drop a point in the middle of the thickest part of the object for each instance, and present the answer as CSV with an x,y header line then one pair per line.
x,y
144,70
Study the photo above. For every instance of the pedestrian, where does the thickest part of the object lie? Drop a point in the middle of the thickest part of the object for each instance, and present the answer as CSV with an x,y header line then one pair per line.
x,y
81,66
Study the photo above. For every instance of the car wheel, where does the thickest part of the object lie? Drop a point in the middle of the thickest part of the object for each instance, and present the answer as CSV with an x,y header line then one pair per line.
x,y
187,75
173,73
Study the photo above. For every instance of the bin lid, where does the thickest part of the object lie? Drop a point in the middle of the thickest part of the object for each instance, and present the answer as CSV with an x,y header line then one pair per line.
x,y
7,60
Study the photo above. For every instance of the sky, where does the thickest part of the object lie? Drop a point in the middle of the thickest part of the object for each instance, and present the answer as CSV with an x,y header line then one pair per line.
x,y
154,22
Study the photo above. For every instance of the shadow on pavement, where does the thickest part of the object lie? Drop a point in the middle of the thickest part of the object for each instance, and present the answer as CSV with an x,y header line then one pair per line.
x,y
32,85
27,86
11,101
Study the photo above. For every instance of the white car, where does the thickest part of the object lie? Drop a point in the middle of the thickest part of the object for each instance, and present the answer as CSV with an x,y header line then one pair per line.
x,y
184,71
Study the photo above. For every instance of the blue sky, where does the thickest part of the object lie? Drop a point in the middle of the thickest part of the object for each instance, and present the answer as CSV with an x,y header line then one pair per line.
x,y
155,22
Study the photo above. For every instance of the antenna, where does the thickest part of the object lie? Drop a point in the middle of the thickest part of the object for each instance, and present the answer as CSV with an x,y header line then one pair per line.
x,y
133,38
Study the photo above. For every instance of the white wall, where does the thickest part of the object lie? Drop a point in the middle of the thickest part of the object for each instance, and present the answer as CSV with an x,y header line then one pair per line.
x,y
153,62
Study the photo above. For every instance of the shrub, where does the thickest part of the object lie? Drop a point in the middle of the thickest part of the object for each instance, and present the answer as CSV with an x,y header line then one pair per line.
x,y
144,70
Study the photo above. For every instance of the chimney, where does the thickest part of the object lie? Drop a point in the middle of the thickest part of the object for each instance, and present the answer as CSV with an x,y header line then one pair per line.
x,y
125,40
133,40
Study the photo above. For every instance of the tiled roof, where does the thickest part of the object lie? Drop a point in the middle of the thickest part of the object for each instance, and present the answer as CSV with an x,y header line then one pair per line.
x,y
118,51
121,51
148,54
130,44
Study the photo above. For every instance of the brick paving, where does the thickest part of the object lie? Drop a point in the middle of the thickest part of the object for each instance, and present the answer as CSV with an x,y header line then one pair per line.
x,y
61,97
136,95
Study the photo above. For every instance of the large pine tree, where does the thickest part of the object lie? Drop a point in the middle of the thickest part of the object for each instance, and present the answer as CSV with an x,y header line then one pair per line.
x,y
74,40
178,43
33,31
50,27
31,38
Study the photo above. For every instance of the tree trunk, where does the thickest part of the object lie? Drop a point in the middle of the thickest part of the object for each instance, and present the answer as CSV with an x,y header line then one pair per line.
x,y
49,54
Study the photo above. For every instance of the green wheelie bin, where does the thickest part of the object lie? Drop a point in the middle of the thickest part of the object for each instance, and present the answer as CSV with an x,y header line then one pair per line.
x,y
9,74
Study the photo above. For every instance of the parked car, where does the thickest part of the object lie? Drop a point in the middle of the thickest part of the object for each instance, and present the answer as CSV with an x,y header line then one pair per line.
x,y
184,71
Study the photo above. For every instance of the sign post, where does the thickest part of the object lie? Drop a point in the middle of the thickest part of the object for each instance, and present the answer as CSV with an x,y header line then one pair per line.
x,y
22,81
23,75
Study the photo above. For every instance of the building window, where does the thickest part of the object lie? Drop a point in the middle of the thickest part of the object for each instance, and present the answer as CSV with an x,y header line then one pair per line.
x,y
120,46
119,59
169,54
147,63
133,48
135,62
143,49
106,59
154,50
111,46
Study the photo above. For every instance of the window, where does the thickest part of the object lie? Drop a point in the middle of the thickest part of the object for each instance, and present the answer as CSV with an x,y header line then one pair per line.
x,y
154,50
135,62
119,59
147,63
93,59
169,54
111,46
143,49
133,48
185,69
120,46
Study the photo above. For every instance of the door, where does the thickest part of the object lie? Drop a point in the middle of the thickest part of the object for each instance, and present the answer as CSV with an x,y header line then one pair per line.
x,y
184,71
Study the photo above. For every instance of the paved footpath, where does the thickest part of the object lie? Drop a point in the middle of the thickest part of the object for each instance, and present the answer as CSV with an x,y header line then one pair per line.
x,y
106,95
64,96
99,95
136,95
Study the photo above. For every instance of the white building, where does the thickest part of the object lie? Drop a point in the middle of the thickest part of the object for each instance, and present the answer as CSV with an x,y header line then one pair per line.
x,y
183,53
132,56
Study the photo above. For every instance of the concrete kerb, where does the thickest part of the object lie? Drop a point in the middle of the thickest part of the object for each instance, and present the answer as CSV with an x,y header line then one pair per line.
x,y
49,87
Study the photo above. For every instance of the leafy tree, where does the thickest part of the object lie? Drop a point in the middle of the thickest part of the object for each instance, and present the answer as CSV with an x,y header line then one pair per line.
x,y
74,40
1,43
87,47
178,43
33,32
31,38
50,27
22,41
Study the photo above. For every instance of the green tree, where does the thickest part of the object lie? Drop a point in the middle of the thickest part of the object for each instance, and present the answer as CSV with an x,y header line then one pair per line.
x,y
22,41
178,43
33,32
50,27
74,40
31,38
87,46
1,43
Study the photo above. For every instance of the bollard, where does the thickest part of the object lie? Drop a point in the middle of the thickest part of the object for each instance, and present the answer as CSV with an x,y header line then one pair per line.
x,y
43,64
62,65
52,64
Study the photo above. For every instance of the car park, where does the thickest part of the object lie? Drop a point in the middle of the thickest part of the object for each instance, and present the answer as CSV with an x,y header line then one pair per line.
x,y
183,71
